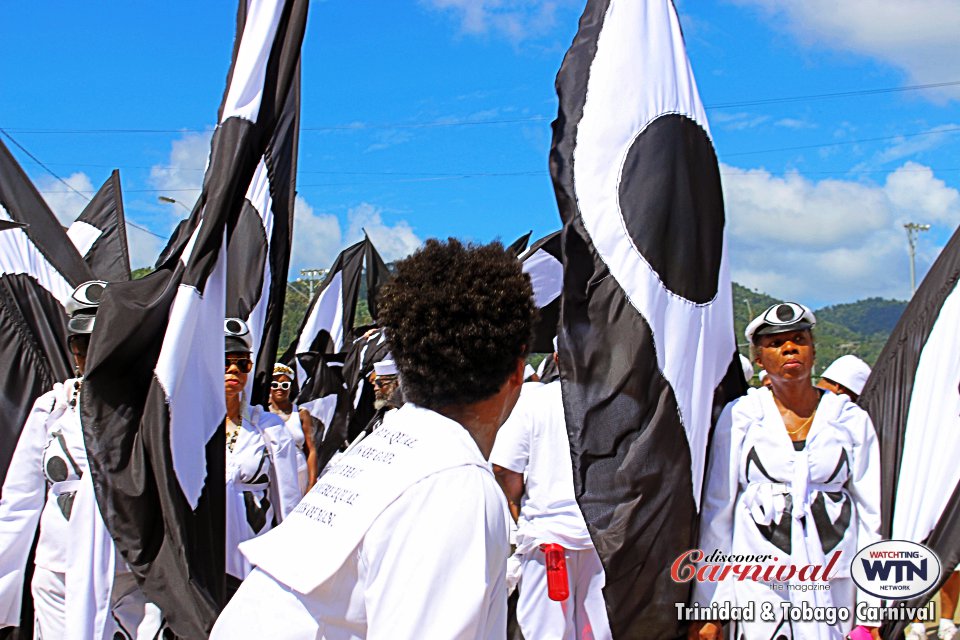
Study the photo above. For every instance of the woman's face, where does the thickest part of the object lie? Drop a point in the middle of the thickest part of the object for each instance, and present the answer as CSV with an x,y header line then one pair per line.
x,y
278,394
787,356
238,365
78,348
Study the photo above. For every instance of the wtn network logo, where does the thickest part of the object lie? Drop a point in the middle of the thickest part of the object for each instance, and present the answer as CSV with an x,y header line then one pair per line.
x,y
895,569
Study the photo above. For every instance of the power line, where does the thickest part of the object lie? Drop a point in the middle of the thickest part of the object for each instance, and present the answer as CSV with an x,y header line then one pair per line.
x,y
452,122
843,142
68,185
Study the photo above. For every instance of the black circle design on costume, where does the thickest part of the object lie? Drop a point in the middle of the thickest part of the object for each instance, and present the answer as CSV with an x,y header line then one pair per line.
x,y
672,205
57,469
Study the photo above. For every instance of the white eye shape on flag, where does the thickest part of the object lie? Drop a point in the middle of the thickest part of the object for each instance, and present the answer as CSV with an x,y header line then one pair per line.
x,y
654,210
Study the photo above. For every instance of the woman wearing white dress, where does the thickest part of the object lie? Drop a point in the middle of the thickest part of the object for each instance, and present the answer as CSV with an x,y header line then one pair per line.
x,y
262,475
298,421
794,473
48,483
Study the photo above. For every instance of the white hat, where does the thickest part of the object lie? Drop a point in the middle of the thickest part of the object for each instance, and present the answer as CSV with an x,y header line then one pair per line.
x,y
849,371
386,367
747,367
528,371
82,306
236,334
779,318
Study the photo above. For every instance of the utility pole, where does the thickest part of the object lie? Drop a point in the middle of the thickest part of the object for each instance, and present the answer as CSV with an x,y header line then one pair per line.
x,y
913,229
311,276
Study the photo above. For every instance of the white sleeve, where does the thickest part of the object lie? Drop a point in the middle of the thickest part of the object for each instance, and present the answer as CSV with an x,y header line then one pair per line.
x,y
511,448
23,496
719,500
284,468
864,488
435,561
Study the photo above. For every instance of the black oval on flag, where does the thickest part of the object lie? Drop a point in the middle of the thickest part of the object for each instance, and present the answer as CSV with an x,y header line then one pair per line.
x,y
672,205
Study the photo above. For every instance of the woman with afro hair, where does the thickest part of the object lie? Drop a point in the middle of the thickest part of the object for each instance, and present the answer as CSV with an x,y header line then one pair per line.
x,y
410,520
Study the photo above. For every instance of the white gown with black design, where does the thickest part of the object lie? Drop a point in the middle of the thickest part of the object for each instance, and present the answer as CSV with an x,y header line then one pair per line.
x,y
48,471
765,497
262,483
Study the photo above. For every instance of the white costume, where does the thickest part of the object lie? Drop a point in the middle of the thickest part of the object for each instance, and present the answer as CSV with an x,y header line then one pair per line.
x,y
534,442
763,496
262,483
295,430
409,536
80,583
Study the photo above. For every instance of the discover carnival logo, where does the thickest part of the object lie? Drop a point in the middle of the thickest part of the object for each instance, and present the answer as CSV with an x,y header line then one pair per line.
x,y
895,569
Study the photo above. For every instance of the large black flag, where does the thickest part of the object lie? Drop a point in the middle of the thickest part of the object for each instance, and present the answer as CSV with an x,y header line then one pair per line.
x,y
39,269
646,331
153,400
913,398
100,233
543,262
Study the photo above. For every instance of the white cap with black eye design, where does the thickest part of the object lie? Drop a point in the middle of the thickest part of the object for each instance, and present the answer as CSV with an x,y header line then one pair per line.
x,y
237,338
82,307
779,318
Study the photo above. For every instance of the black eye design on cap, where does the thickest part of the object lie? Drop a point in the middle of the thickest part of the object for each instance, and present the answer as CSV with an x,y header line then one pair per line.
x,y
235,327
785,313
90,293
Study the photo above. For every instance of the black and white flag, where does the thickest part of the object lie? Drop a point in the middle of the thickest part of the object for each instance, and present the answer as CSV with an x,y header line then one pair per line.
x,y
913,398
100,233
153,400
543,262
519,245
329,318
39,269
646,333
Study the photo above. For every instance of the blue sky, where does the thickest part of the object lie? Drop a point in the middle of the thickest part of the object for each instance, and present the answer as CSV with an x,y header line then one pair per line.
x,y
432,118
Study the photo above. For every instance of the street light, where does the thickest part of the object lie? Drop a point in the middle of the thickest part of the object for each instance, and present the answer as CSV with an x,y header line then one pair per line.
x,y
311,276
170,200
913,229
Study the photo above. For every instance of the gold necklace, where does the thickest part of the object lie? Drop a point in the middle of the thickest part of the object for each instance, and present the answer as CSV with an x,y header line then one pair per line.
x,y
802,426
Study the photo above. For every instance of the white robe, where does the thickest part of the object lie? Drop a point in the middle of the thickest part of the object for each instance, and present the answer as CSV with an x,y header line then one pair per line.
x,y
78,569
262,483
764,497
407,534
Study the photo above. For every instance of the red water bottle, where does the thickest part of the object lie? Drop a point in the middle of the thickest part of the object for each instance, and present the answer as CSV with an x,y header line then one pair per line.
x,y
558,587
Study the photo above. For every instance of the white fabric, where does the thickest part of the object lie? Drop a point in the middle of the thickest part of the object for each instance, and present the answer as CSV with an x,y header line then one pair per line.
x,y
385,367
737,504
250,66
747,367
77,566
295,430
850,371
581,616
414,547
259,196
546,277
533,441
83,236
641,72
263,464
931,446
27,499
327,313
19,255
190,370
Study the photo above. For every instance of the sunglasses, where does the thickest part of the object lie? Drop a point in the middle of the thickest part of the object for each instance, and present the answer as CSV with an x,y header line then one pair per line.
x,y
244,365
280,385
382,381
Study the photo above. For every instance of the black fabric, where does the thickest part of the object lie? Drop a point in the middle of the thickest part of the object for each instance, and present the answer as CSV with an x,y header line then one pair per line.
x,y
519,245
548,316
630,455
670,185
886,397
327,379
377,274
109,257
177,553
24,204
33,350
248,250
550,371
362,354
7,224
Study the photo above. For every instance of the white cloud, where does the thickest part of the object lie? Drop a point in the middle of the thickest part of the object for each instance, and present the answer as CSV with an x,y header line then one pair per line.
x,y
832,240
182,177
916,36
392,241
738,121
516,20
66,203
319,237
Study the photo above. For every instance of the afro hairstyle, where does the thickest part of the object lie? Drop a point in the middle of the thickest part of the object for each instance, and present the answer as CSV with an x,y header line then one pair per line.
x,y
458,318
